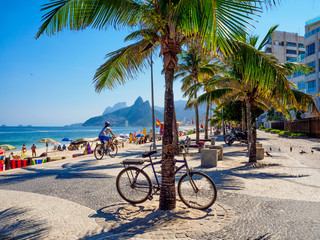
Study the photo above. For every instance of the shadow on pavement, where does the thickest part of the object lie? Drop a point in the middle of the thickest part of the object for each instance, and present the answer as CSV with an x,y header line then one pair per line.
x,y
125,221
69,170
13,225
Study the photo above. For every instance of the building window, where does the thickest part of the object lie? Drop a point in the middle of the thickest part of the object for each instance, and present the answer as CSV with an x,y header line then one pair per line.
x,y
301,85
288,51
281,44
301,52
311,86
297,74
312,64
300,45
311,49
291,44
291,59
268,50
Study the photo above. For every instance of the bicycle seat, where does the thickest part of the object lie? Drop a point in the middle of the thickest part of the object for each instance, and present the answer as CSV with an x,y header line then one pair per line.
x,y
144,155
133,161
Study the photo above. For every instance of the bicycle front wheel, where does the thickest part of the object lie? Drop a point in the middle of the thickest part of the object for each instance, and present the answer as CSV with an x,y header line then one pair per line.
x,y
114,150
133,185
99,152
197,190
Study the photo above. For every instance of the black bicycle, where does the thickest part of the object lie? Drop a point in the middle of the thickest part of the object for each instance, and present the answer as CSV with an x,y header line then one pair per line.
x,y
195,189
101,150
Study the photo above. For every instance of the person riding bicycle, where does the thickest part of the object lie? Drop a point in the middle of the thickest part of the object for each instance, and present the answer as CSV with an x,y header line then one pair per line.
x,y
103,135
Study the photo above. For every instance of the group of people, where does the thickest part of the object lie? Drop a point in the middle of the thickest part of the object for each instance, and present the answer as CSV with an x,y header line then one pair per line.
x,y
33,150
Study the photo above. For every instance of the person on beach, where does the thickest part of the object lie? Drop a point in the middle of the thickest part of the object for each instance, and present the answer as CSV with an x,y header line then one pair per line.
x,y
103,135
24,149
33,148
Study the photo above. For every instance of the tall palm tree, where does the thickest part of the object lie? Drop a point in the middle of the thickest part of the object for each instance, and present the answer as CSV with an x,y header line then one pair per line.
x,y
163,25
259,80
192,62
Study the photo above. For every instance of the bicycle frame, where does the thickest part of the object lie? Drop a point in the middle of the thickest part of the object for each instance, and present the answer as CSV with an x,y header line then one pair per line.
x,y
156,186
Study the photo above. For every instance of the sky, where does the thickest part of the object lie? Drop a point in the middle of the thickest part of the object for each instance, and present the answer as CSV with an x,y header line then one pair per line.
x,y
48,81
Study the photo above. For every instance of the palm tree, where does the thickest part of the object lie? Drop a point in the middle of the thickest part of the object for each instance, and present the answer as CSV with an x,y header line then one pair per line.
x,y
163,25
192,62
259,80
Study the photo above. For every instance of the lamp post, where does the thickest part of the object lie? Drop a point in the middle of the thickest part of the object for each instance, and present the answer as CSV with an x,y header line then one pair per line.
x,y
152,102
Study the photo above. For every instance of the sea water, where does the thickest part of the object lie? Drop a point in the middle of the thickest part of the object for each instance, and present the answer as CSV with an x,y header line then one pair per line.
x,y
17,136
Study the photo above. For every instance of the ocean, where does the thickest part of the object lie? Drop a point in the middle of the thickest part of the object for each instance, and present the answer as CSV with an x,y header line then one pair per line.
x,y
17,136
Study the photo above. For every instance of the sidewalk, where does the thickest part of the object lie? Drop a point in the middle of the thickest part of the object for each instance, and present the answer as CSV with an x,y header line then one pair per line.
x,y
283,178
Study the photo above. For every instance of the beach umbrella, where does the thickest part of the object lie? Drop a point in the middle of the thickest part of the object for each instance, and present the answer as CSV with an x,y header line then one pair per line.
x,y
2,151
7,147
46,141
139,135
124,136
67,140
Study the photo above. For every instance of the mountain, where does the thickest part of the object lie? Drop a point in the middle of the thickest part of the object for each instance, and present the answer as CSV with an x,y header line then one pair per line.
x,y
115,107
139,114
184,115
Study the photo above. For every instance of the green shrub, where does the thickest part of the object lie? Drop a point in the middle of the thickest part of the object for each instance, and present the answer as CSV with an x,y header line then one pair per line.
x,y
298,134
281,132
275,130
268,129
262,127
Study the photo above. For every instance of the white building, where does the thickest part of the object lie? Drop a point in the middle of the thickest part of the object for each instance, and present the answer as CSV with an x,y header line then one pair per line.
x,y
289,47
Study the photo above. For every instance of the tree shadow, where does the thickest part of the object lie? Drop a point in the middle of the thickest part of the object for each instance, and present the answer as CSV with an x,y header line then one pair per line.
x,y
126,221
69,170
14,225
230,179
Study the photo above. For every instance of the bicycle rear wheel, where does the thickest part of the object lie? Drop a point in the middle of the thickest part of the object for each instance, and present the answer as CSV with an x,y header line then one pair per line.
x,y
99,152
197,190
133,185
114,150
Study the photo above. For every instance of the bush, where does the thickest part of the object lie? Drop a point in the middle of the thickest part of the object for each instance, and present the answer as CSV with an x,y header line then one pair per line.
x,y
262,127
268,129
275,130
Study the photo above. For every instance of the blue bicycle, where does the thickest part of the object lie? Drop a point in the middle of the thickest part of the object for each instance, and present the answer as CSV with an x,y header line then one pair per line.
x,y
195,189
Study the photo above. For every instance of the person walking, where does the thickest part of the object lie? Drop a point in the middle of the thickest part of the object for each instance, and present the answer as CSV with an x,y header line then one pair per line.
x,y
33,148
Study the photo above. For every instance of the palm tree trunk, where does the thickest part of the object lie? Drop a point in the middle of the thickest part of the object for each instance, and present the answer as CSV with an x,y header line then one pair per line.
x,y
252,134
243,123
206,122
196,110
170,50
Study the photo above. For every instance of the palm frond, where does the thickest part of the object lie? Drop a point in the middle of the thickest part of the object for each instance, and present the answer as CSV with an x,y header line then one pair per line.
x,y
122,65
79,14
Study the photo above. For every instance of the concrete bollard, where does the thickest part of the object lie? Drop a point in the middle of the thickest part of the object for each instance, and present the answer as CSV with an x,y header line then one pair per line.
x,y
258,145
213,141
260,153
220,151
209,158
7,163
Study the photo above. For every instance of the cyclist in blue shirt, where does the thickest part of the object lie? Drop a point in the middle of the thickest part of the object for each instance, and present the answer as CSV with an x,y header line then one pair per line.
x,y
103,135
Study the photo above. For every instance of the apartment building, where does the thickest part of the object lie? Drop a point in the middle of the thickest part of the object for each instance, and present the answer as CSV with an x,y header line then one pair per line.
x,y
312,43
290,47
285,46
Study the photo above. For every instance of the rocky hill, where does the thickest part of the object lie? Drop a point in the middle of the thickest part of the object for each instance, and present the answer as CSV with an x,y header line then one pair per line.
x,y
139,114
115,107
